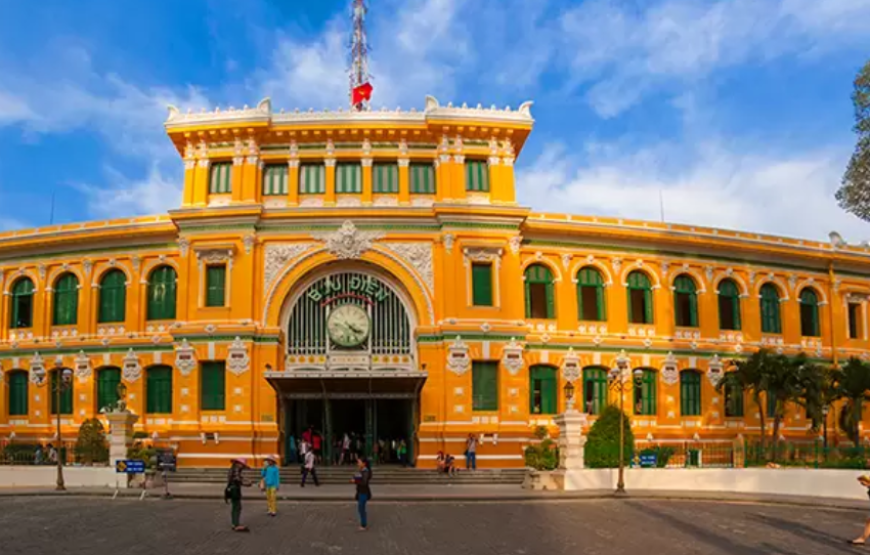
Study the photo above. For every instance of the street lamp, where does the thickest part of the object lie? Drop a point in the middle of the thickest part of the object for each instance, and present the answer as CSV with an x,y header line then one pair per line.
x,y
569,396
62,383
618,383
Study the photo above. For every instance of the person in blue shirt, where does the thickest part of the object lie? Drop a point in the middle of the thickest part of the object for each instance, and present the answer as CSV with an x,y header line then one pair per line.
x,y
271,481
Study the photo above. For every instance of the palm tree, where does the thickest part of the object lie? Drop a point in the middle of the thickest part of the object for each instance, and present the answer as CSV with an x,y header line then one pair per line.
x,y
853,385
749,376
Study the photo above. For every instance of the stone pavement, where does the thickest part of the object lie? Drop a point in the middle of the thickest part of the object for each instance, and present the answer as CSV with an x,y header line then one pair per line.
x,y
101,526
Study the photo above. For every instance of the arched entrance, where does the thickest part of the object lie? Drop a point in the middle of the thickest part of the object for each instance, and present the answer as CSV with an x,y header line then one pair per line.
x,y
350,362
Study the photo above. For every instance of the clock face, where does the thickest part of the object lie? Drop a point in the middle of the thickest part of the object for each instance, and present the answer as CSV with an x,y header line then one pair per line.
x,y
348,325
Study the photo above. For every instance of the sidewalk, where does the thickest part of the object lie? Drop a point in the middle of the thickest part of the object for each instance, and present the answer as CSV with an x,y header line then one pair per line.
x,y
439,493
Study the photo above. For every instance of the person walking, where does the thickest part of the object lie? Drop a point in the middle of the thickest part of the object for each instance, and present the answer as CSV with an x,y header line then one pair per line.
x,y
471,452
270,482
864,480
233,492
309,468
363,492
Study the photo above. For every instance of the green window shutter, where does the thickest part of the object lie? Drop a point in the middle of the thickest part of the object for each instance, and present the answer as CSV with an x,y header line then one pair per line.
x,y
215,285
161,294
66,396
213,385
484,386
481,284
275,180
422,178
770,309
348,178
158,391
66,300
18,394
690,393
220,178
312,179
113,297
476,176
809,308
385,178
107,387
22,304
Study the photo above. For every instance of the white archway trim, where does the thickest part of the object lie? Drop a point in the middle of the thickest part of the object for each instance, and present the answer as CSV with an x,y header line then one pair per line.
x,y
598,265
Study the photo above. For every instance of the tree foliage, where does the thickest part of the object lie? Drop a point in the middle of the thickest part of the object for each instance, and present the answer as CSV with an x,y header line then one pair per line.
x,y
602,444
854,193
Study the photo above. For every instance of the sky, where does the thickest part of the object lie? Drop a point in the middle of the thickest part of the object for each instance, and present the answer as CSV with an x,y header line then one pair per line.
x,y
726,113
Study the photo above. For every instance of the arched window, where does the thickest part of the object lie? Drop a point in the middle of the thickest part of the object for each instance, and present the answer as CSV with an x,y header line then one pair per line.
x,y
640,301
158,390
590,295
543,390
17,401
113,297
645,393
685,302
770,316
733,400
66,394
690,393
66,300
729,305
161,294
809,313
539,292
22,304
108,380
594,389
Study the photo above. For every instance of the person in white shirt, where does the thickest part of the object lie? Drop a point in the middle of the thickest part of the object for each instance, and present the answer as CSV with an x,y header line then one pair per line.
x,y
308,468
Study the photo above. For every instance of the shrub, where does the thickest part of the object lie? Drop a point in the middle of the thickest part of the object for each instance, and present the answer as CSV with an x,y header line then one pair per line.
x,y
602,444
91,445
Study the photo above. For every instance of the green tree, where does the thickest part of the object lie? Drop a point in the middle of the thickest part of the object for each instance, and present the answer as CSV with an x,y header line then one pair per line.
x,y
602,443
854,193
91,446
853,385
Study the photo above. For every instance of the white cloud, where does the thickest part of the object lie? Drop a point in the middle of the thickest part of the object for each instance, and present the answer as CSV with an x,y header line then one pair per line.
x,y
717,187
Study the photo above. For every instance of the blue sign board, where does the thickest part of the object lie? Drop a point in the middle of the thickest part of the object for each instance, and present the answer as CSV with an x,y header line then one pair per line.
x,y
648,461
130,467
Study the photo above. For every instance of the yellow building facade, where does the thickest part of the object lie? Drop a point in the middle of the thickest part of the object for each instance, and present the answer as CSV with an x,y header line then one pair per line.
x,y
372,272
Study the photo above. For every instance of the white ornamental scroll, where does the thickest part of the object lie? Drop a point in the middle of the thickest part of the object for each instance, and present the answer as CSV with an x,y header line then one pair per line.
x,y
458,357
512,357
238,360
185,358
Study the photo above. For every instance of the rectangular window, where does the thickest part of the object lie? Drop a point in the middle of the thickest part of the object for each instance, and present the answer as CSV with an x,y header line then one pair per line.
x,y
422,178
733,401
275,180
312,179
855,323
484,386
220,178
215,285
213,385
481,284
348,178
385,178
476,176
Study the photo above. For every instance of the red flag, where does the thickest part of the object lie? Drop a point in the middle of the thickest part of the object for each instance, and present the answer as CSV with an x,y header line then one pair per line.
x,y
361,93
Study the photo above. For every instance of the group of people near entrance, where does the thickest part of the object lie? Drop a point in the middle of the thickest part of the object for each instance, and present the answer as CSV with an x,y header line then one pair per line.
x,y
270,482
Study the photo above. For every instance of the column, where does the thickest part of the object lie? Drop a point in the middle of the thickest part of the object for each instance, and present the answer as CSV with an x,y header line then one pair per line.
x,y
405,181
367,194
329,197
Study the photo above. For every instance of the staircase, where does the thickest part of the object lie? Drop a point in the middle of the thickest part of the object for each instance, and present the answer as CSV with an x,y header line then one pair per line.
x,y
383,475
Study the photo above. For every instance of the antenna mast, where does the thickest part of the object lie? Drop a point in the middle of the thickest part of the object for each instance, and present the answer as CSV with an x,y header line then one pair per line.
x,y
360,89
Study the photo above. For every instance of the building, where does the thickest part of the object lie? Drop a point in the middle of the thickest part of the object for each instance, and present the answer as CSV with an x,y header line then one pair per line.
x,y
371,271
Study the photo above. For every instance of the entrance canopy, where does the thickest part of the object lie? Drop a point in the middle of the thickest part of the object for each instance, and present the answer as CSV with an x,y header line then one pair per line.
x,y
316,384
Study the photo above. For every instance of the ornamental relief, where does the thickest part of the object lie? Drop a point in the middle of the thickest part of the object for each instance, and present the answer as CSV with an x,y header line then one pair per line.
x,y
419,256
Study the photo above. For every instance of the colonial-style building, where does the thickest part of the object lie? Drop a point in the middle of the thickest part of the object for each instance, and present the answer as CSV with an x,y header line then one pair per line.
x,y
372,272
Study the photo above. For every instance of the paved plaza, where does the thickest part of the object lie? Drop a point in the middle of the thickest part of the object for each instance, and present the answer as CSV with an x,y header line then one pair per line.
x,y
89,526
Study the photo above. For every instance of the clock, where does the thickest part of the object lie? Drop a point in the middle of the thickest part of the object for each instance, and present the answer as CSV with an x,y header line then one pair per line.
x,y
348,325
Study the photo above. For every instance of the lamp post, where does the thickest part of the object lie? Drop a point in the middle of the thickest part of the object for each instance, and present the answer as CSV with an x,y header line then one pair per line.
x,y
62,383
618,383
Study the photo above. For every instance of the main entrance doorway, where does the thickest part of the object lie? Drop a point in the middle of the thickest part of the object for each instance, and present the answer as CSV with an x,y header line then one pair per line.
x,y
375,427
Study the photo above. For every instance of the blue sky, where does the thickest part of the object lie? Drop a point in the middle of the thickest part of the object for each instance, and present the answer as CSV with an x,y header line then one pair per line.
x,y
737,112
